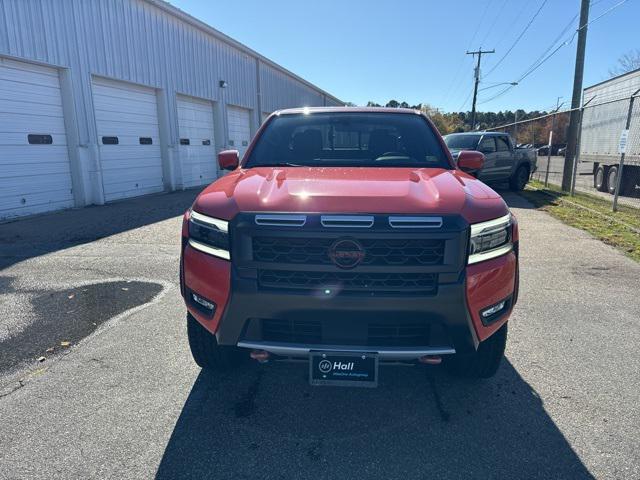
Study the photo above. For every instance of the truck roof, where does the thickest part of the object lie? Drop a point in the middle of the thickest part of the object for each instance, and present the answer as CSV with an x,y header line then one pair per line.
x,y
288,111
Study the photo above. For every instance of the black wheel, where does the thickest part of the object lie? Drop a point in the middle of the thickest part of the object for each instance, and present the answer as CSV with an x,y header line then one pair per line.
x,y
519,180
484,363
612,180
206,351
600,179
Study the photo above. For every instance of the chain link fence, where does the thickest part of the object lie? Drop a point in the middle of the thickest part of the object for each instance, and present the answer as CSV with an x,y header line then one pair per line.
x,y
607,160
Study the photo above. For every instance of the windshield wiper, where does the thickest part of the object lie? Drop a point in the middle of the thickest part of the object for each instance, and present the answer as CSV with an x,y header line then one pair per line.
x,y
277,164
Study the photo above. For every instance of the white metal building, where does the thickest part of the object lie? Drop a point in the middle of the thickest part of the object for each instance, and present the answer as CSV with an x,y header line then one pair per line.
x,y
108,99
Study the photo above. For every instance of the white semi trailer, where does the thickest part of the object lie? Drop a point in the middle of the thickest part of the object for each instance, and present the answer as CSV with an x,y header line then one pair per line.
x,y
603,123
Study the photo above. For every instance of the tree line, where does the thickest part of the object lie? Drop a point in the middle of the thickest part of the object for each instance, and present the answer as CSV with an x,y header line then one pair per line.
x,y
534,132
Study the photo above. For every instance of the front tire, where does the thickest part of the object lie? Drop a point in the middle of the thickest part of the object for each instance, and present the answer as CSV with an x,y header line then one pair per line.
x,y
519,179
205,349
484,362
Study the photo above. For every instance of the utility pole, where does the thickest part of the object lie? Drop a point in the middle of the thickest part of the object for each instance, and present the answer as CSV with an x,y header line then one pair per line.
x,y
476,75
572,135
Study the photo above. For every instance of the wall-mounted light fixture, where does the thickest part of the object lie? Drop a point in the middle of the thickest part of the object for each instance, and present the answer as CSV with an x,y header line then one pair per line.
x,y
222,84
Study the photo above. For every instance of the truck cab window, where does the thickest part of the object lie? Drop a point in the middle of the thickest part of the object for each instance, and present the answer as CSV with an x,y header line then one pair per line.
x,y
503,146
487,145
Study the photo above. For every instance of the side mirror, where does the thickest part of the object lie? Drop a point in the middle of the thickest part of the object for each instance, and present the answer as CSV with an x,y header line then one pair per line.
x,y
470,161
229,159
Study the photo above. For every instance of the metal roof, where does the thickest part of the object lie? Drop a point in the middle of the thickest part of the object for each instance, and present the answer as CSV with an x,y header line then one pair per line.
x,y
612,78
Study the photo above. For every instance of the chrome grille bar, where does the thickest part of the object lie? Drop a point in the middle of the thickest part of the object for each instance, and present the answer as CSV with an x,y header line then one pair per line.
x,y
275,220
347,221
415,222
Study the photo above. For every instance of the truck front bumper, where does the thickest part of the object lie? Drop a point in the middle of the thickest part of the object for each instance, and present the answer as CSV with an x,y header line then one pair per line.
x,y
400,327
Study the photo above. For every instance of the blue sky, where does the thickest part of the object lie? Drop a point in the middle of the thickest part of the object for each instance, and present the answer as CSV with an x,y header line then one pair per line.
x,y
415,50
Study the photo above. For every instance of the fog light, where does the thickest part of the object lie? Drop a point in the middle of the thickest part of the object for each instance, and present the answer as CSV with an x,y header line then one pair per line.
x,y
494,309
203,302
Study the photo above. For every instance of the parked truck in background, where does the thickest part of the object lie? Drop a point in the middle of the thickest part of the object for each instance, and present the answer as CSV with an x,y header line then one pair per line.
x,y
601,128
503,160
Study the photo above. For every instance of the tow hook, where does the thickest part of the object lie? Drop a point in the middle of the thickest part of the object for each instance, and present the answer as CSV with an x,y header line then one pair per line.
x,y
431,359
261,356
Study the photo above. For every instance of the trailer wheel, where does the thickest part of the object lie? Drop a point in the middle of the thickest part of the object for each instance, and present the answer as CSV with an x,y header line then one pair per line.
x,y
612,180
600,179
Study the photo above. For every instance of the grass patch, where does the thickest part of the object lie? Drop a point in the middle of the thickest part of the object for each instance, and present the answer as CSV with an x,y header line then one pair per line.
x,y
592,214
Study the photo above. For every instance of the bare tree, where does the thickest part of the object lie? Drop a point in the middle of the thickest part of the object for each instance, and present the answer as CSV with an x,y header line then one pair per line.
x,y
626,63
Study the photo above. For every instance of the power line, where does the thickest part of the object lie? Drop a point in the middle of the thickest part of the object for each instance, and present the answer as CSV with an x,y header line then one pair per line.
x,y
479,24
499,94
465,101
535,15
513,23
570,40
495,20
555,41
528,72
455,85
457,76
601,15
543,59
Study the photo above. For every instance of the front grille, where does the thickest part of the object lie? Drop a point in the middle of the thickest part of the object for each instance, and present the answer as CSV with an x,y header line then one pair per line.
x,y
401,335
292,331
407,333
378,252
398,283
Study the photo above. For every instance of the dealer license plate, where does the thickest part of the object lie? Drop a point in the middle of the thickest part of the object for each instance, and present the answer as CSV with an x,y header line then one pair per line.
x,y
343,369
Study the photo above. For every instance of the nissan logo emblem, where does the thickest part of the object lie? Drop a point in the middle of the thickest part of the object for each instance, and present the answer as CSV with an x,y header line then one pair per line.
x,y
346,253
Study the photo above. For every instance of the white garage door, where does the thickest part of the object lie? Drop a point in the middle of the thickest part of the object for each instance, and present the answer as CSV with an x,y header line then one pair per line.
x,y
129,140
197,148
239,128
35,173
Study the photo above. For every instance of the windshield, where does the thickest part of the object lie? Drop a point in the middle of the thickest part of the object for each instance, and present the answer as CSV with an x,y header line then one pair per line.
x,y
462,142
350,139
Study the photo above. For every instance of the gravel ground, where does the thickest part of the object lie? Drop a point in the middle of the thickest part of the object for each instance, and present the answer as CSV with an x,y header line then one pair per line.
x,y
128,402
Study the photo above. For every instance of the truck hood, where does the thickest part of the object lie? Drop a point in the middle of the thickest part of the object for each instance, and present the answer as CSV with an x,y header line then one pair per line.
x,y
350,190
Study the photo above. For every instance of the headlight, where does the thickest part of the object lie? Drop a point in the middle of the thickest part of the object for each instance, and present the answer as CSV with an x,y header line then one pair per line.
x,y
490,239
209,235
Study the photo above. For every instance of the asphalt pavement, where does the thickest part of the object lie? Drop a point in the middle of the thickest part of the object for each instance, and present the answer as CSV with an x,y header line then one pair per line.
x,y
127,401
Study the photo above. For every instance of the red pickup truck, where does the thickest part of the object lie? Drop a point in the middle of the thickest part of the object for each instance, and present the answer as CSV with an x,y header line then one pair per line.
x,y
349,237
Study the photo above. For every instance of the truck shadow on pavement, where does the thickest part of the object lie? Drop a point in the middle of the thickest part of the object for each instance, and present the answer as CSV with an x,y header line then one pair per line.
x,y
513,199
268,422
34,236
